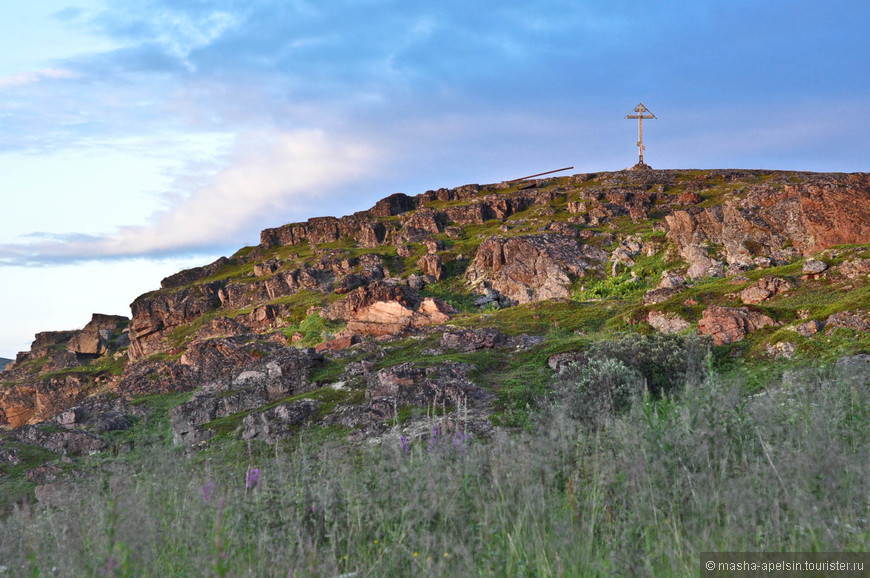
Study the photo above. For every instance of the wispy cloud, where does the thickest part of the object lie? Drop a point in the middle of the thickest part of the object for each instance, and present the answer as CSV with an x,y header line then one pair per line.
x,y
26,78
270,175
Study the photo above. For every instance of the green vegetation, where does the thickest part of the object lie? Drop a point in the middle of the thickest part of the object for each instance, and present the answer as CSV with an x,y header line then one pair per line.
x,y
641,492
646,451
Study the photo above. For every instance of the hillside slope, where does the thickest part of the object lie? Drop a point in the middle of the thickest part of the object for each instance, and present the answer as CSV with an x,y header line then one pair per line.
x,y
462,301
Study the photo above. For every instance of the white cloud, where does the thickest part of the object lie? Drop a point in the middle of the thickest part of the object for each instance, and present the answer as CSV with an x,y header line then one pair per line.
x,y
25,78
272,177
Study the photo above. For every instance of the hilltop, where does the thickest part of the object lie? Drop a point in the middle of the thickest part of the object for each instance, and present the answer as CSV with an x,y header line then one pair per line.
x,y
465,301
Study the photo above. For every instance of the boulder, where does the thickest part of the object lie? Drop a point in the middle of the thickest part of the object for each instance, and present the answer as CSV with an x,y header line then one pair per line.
x,y
654,296
40,400
764,289
728,325
669,323
72,442
855,320
855,268
432,265
473,339
409,383
671,280
94,338
395,204
528,268
387,308
278,422
100,413
814,267
809,328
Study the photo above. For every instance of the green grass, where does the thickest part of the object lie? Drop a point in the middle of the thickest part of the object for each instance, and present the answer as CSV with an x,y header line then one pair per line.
x,y
14,486
644,494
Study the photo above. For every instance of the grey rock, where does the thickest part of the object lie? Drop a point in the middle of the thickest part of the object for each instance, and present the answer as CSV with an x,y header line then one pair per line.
x,y
74,442
814,267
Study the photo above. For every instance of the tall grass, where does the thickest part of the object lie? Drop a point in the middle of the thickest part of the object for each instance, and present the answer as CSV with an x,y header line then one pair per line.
x,y
639,494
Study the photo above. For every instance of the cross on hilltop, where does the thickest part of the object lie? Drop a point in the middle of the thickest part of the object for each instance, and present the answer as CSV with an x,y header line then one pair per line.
x,y
640,109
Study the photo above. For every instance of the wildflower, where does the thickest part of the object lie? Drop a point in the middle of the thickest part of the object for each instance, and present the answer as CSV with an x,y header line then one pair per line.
x,y
415,554
403,441
252,477
207,491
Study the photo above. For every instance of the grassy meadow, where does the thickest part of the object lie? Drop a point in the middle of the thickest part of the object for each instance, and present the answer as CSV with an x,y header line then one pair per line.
x,y
618,474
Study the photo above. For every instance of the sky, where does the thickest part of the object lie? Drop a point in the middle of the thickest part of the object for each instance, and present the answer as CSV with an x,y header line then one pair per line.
x,y
142,137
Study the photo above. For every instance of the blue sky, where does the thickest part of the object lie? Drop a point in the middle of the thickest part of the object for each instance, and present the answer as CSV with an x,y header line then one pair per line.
x,y
141,137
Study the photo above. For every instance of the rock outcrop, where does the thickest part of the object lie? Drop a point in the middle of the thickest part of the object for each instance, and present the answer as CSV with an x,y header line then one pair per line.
x,y
805,218
387,308
95,337
227,332
527,268
728,324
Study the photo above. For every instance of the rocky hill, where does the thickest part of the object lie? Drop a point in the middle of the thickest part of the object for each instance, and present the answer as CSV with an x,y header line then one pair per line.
x,y
463,301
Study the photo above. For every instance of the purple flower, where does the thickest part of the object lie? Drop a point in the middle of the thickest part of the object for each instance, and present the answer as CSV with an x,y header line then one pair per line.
x,y
252,476
403,441
207,491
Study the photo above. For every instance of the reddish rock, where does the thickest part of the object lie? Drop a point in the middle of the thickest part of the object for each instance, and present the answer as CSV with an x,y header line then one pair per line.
x,y
809,328
528,268
384,318
689,198
432,265
822,211
754,295
40,400
338,343
94,338
855,268
156,314
424,221
575,207
386,308
727,324
764,289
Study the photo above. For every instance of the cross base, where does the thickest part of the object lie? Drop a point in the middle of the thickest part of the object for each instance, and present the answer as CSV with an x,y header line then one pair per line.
x,y
641,167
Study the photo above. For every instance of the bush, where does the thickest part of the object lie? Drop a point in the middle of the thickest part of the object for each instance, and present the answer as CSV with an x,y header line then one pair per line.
x,y
666,362
601,390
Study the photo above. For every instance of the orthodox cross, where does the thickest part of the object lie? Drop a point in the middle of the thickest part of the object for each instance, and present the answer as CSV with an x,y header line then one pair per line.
x,y
640,109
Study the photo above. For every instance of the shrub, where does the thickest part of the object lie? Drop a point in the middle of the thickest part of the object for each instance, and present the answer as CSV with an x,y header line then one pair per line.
x,y
602,389
666,362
